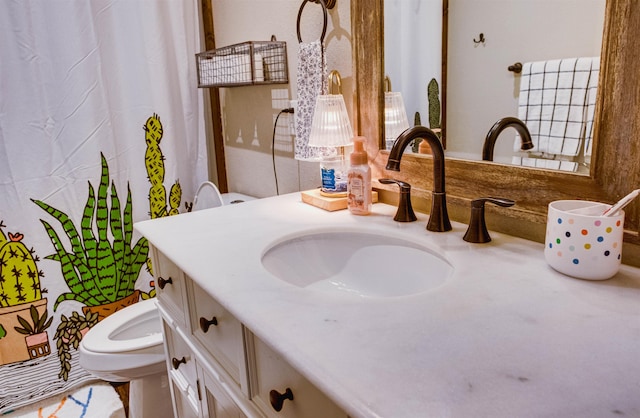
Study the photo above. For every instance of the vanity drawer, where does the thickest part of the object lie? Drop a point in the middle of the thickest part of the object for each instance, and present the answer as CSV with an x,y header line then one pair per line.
x,y
183,371
273,374
170,287
217,330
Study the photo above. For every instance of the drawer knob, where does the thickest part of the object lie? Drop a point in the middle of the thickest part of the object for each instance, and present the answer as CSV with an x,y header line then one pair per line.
x,y
206,323
176,363
163,282
277,399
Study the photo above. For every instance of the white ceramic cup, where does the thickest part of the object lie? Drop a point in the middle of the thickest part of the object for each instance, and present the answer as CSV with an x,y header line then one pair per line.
x,y
582,243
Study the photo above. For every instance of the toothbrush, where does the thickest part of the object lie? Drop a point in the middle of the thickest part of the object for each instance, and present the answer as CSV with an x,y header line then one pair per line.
x,y
621,203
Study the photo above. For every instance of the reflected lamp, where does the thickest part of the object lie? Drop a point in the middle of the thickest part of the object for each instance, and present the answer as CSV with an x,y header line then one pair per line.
x,y
395,115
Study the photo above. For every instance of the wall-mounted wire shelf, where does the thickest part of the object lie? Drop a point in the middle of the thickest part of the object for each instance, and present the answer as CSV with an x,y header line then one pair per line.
x,y
244,64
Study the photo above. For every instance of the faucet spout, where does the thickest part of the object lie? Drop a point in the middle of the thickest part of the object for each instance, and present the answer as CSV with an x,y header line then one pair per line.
x,y
439,217
501,125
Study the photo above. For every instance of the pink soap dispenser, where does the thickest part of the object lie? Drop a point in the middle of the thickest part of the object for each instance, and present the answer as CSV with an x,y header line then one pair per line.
x,y
359,180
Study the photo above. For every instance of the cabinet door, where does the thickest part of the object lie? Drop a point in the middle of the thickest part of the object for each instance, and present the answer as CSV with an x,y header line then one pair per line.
x,y
219,332
277,385
183,373
216,403
183,404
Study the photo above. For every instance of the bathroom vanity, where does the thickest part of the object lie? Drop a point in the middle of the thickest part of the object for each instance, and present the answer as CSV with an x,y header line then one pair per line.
x,y
496,333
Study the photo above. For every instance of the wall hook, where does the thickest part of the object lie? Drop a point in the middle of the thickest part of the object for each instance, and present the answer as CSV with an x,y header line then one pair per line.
x,y
479,41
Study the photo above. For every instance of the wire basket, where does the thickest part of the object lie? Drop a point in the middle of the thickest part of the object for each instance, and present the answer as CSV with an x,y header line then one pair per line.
x,y
244,64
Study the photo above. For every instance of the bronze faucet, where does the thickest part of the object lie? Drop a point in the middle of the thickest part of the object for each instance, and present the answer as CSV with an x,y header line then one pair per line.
x,y
439,218
501,125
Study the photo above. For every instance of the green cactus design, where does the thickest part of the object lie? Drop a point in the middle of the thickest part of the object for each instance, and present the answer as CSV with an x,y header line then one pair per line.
x,y
433,95
96,270
416,142
154,162
19,274
175,197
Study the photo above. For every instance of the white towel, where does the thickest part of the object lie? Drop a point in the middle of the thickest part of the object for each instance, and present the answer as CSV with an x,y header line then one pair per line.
x,y
312,82
553,103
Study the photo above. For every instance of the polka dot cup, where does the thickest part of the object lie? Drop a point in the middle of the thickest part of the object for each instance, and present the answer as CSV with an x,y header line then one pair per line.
x,y
582,243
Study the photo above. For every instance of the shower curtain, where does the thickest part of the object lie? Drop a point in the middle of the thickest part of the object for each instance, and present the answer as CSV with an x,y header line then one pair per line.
x,y
101,125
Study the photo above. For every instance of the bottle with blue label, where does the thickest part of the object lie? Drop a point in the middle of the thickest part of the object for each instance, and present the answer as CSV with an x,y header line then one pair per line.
x,y
333,172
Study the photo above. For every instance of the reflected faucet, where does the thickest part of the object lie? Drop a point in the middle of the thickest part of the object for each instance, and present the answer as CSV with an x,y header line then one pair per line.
x,y
501,125
439,218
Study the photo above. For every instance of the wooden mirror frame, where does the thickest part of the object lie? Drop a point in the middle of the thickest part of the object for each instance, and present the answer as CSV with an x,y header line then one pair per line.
x,y
615,167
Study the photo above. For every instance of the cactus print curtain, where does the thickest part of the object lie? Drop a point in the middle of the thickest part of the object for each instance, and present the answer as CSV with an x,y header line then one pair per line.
x,y
100,126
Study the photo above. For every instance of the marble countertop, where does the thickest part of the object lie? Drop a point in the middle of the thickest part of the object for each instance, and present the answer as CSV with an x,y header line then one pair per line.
x,y
504,336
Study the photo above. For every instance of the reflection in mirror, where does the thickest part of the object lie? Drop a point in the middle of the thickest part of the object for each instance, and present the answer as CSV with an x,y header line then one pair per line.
x,y
615,167
413,41
483,43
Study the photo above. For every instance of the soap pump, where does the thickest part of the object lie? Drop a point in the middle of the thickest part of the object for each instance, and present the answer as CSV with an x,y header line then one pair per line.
x,y
359,180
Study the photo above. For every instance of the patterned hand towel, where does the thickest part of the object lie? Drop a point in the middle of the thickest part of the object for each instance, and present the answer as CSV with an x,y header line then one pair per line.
x,y
312,76
553,103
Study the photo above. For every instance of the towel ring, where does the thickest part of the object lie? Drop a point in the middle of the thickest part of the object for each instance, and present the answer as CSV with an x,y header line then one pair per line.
x,y
325,5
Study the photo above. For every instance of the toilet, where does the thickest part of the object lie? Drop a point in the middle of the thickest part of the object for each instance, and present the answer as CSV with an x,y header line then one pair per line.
x,y
127,346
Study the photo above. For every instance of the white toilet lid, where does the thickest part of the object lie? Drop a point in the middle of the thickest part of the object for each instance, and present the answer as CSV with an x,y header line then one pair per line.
x,y
103,337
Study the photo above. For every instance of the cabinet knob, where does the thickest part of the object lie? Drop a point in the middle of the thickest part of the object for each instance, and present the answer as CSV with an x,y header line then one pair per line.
x,y
163,282
176,363
277,399
206,323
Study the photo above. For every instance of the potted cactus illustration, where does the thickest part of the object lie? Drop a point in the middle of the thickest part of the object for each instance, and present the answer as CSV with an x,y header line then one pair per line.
x,y
19,275
100,273
20,297
36,338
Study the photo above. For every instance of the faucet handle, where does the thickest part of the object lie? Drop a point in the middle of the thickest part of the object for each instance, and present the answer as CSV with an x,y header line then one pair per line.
x,y
405,210
477,231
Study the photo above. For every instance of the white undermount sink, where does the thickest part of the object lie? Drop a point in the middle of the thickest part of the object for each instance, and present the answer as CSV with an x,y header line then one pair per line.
x,y
365,264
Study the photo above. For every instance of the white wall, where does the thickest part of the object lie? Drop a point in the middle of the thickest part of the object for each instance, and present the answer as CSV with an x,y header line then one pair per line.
x,y
248,113
480,89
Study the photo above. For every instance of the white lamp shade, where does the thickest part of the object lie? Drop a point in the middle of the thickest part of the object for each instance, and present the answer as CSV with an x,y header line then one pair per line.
x,y
330,126
395,115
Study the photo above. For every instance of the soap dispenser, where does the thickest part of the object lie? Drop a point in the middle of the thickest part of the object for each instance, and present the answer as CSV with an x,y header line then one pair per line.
x,y
359,180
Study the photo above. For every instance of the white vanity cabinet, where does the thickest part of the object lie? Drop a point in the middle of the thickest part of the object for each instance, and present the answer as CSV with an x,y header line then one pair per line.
x,y
217,367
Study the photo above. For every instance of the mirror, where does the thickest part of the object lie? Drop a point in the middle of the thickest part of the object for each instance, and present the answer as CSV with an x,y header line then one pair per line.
x,y
480,44
615,169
